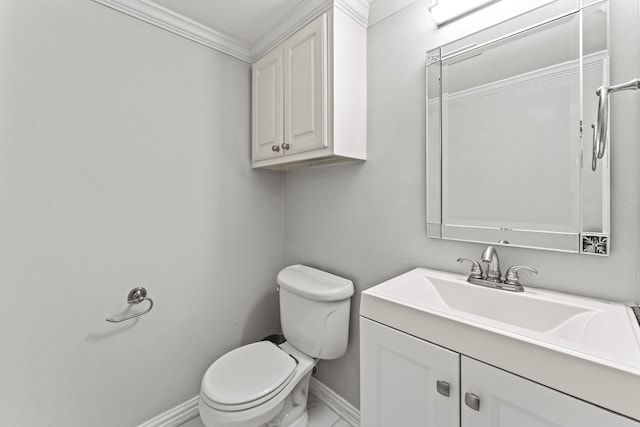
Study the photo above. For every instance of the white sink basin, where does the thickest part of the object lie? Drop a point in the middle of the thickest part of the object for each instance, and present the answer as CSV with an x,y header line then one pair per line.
x,y
517,309
585,347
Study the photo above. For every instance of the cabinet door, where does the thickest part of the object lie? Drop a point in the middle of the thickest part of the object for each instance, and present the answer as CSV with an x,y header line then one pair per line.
x,y
399,380
506,400
305,87
267,112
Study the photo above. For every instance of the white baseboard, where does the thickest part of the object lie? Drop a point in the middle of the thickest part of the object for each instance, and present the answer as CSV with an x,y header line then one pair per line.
x,y
335,402
184,412
175,417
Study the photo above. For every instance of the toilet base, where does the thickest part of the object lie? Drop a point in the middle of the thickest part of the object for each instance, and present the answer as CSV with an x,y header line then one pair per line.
x,y
303,421
294,412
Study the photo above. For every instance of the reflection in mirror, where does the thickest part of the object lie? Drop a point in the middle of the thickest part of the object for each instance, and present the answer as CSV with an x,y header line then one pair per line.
x,y
508,124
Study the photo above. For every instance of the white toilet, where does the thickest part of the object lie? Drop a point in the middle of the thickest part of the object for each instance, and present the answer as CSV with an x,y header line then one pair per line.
x,y
264,384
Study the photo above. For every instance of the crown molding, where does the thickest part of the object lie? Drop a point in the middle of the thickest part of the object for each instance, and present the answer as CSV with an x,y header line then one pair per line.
x,y
358,10
162,17
155,14
382,9
361,11
297,18
307,11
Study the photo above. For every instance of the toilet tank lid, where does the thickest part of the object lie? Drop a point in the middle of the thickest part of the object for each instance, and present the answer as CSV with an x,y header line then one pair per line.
x,y
314,284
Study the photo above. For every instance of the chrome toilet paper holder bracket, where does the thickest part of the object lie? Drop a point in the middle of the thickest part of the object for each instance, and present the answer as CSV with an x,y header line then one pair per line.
x,y
135,296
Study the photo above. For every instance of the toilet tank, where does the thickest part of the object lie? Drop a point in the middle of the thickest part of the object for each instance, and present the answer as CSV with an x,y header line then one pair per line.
x,y
314,310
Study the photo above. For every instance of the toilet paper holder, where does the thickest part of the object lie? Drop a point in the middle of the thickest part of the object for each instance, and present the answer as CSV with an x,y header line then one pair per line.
x,y
135,296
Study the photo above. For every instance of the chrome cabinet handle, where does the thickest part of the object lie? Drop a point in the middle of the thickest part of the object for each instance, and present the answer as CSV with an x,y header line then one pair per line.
x,y
443,388
476,269
285,146
472,401
275,148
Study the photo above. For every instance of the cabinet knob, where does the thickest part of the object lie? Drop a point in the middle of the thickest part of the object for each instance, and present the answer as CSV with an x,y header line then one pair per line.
x,y
285,146
275,148
442,387
472,401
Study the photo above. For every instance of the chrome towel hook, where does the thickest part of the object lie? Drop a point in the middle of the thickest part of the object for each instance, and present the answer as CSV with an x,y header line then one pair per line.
x,y
601,127
136,296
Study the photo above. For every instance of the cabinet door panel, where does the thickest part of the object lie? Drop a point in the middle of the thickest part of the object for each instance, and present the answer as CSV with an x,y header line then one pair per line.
x,y
507,400
305,77
267,120
398,380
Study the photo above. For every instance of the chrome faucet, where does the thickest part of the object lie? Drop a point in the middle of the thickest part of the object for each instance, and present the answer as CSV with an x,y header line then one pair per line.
x,y
490,256
493,278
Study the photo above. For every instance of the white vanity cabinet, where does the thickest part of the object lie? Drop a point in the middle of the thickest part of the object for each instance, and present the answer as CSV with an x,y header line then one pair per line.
x,y
507,400
399,388
309,96
400,376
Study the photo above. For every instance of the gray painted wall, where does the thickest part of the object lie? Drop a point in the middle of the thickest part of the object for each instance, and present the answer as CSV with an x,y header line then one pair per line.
x,y
124,161
366,221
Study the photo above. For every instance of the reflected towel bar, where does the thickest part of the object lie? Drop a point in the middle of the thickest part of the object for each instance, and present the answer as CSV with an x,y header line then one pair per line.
x,y
601,127
136,296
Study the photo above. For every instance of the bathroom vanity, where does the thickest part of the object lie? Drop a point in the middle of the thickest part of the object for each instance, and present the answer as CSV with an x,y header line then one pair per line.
x,y
438,351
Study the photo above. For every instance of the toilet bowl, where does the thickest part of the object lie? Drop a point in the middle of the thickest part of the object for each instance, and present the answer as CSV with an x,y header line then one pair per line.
x,y
264,384
243,403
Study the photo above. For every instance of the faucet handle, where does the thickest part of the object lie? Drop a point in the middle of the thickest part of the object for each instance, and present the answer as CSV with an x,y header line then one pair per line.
x,y
476,269
511,278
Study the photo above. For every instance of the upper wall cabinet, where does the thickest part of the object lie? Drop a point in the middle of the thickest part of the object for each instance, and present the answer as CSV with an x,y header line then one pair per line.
x,y
309,96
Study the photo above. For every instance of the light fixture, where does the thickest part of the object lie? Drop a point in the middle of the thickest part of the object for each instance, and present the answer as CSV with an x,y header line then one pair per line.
x,y
445,11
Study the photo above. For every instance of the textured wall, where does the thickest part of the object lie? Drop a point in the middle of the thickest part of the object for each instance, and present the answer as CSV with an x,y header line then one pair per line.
x,y
124,161
366,221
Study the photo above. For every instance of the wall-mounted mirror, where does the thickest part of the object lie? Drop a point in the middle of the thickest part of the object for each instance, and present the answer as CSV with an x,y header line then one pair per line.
x,y
509,137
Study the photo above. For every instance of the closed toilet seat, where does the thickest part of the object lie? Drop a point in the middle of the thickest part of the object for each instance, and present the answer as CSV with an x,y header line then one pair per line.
x,y
247,377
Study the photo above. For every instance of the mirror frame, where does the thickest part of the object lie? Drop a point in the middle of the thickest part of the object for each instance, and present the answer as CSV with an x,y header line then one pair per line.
x,y
582,241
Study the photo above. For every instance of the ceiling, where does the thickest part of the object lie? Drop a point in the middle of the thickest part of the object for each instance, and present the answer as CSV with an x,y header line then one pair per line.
x,y
246,29
244,20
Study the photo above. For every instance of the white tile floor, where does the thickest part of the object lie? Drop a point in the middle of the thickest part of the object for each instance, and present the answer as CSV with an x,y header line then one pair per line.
x,y
319,416
194,422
